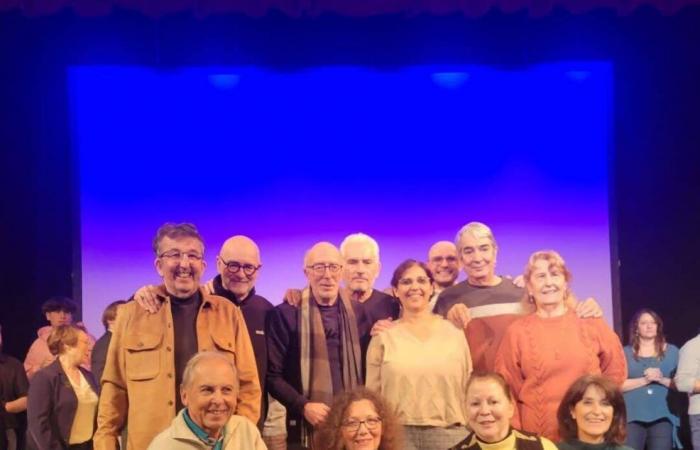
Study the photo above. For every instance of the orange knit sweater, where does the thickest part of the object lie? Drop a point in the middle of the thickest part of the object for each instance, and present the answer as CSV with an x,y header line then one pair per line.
x,y
540,358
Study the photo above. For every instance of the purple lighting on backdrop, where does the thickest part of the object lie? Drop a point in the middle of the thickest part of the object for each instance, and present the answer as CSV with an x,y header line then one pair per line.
x,y
407,156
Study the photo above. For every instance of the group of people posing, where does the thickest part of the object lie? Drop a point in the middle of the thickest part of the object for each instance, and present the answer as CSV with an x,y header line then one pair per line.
x,y
485,364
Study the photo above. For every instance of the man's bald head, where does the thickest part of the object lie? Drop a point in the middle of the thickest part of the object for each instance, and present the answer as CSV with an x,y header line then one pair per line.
x,y
443,261
239,255
322,267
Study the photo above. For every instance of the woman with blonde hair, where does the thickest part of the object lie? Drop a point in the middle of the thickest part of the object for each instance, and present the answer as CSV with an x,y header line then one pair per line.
x,y
490,409
543,352
62,399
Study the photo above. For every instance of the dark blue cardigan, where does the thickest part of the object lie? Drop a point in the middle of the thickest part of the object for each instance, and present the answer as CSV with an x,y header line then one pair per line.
x,y
51,406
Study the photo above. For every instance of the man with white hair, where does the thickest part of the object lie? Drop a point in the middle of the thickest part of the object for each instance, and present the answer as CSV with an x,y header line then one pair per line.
x,y
360,254
208,391
313,348
486,304
362,265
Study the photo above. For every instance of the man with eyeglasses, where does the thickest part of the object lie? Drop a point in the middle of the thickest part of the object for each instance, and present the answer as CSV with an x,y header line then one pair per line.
x,y
148,351
444,263
238,265
361,266
313,349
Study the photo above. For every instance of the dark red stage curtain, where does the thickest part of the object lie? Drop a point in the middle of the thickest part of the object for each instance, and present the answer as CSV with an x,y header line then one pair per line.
x,y
357,8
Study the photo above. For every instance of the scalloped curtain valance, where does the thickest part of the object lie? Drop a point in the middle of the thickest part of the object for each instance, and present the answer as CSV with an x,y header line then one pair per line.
x,y
351,8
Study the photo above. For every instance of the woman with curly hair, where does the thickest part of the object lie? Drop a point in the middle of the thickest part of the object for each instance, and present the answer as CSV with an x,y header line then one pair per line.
x,y
359,420
592,415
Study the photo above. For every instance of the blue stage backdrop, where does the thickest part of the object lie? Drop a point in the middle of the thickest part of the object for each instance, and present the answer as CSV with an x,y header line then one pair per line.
x,y
291,158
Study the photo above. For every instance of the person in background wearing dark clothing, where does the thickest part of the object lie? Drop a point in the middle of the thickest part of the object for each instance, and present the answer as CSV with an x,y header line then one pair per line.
x,y
99,351
62,400
313,349
238,264
13,400
58,311
592,415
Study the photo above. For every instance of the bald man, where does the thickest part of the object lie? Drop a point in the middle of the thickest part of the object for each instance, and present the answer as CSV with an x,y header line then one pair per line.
x,y
313,349
443,262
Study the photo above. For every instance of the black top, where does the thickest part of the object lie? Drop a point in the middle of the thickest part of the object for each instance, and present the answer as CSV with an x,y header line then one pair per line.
x,y
99,355
330,316
255,310
378,306
283,365
13,385
184,312
575,444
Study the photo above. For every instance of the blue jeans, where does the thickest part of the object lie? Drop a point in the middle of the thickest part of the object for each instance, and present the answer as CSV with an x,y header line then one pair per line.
x,y
694,420
657,435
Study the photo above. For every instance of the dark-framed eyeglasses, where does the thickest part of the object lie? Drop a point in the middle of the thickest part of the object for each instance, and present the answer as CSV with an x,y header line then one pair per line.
x,y
235,267
353,425
176,255
320,268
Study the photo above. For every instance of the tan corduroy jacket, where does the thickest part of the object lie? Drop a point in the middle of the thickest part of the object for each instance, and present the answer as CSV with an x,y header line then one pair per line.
x,y
138,382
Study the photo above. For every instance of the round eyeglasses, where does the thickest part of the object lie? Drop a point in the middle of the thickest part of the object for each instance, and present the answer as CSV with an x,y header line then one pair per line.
x,y
235,267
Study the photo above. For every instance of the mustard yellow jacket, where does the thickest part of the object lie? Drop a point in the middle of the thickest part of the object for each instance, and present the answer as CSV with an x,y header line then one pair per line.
x,y
138,382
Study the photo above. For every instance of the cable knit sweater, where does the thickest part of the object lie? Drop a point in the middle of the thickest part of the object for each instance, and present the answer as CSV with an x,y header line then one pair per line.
x,y
540,358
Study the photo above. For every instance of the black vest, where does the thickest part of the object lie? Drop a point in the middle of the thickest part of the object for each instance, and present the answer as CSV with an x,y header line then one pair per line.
x,y
523,441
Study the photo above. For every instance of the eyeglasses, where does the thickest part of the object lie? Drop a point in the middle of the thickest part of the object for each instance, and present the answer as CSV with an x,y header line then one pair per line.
x,y
235,267
409,281
176,255
448,259
320,269
353,425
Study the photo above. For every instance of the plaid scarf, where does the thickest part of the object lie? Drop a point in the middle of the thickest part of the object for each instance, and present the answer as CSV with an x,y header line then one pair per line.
x,y
316,379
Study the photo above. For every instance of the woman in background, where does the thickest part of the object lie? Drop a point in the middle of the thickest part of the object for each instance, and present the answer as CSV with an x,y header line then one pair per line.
x,y
62,400
651,365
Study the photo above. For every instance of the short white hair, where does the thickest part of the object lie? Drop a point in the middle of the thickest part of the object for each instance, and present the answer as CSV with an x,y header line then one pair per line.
x,y
477,229
359,238
207,355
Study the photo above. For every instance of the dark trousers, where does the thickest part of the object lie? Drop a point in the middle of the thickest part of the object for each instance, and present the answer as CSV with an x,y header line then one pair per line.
x,y
657,435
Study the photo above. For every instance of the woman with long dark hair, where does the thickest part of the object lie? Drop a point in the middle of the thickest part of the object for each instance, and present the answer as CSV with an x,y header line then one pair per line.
x,y
651,365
